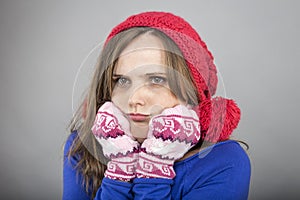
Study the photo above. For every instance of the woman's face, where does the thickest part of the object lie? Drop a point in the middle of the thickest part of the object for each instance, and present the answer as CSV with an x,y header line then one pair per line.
x,y
141,85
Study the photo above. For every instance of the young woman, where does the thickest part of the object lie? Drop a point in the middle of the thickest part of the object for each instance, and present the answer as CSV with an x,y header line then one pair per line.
x,y
149,127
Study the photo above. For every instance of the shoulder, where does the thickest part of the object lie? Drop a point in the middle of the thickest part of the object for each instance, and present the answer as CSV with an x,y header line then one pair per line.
x,y
227,152
230,146
69,142
220,171
222,161
218,158
73,185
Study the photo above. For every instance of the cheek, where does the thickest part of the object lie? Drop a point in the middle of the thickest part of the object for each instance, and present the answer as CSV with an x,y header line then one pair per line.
x,y
120,99
165,98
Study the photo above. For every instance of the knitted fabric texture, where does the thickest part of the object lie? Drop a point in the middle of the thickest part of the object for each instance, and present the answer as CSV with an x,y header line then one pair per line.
x,y
218,116
194,50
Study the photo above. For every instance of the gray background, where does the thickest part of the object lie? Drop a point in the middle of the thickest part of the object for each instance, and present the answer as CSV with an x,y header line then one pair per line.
x,y
42,43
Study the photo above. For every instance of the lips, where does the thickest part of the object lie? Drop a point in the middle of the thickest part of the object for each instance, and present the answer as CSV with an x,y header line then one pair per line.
x,y
137,117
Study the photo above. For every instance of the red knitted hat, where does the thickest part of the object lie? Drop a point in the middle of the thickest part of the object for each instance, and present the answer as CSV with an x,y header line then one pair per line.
x,y
194,50
218,116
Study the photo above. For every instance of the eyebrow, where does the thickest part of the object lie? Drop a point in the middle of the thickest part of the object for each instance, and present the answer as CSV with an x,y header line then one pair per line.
x,y
155,73
147,74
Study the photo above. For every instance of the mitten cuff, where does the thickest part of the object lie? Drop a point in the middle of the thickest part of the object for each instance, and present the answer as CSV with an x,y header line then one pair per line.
x,y
151,166
122,168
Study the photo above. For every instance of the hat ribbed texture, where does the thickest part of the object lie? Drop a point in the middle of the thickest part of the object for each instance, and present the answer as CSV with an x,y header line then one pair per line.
x,y
194,50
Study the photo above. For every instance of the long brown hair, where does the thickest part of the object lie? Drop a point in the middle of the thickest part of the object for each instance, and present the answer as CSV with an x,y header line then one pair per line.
x,y
92,163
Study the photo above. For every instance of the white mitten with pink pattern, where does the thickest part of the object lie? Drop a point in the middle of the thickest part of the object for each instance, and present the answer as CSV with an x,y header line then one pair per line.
x,y
171,134
112,131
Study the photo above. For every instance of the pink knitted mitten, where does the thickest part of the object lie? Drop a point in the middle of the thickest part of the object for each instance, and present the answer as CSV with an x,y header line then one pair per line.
x,y
171,134
112,131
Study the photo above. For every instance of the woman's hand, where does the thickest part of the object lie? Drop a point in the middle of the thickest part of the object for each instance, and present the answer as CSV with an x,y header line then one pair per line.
x,y
112,131
171,134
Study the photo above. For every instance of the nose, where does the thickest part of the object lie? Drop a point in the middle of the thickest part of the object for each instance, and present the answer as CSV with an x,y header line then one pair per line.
x,y
138,97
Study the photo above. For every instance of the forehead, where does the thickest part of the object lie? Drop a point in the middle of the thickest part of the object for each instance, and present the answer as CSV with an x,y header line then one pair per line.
x,y
146,50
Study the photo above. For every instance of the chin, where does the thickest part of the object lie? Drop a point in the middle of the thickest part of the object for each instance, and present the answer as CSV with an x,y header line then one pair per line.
x,y
140,140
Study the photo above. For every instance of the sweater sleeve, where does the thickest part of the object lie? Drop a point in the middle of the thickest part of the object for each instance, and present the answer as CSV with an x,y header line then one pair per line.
x,y
113,189
73,188
152,188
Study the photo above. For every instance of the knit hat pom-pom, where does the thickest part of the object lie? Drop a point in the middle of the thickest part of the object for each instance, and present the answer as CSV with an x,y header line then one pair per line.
x,y
218,118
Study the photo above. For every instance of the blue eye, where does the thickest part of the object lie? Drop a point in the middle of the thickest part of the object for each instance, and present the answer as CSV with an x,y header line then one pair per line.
x,y
122,82
158,80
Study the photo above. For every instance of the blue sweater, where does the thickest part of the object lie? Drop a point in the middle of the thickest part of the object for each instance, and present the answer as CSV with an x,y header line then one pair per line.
x,y
221,171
